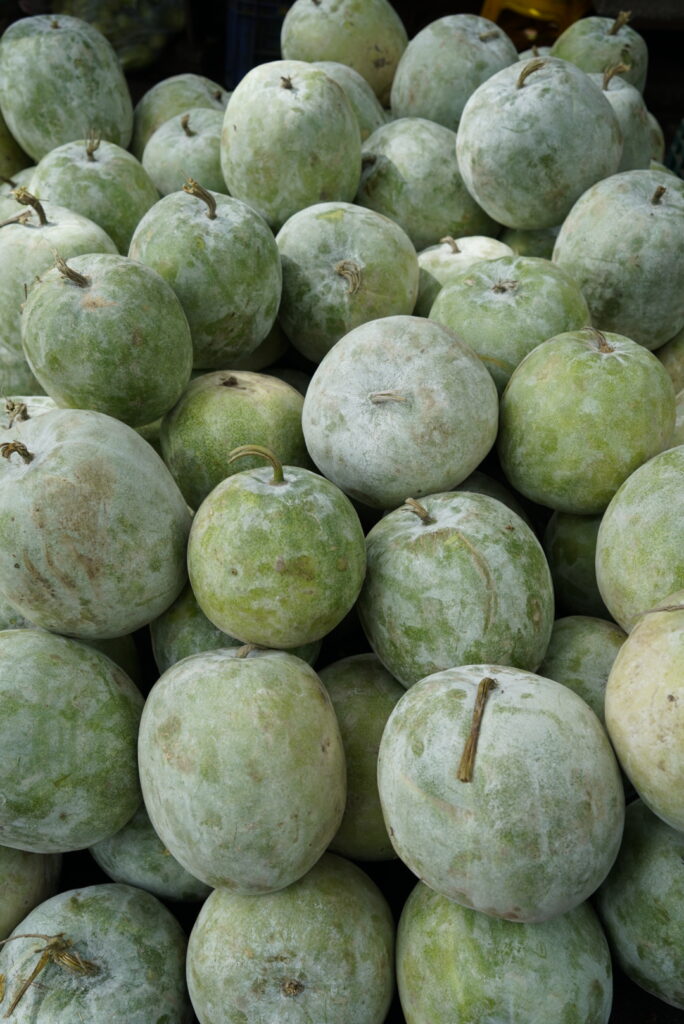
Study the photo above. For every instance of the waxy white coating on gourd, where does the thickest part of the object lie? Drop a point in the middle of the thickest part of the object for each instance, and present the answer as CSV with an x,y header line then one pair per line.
x,y
320,950
596,43
242,768
12,156
368,35
26,251
503,308
112,188
26,879
457,966
169,97
93,530
569,543
411,175
58,76
641,904
630,110
548,150
444,63
183,629
68,734
134,944
343,265
440,263
626,252
363,694
135,855
645,708
119,342
290,139
174,153
537,828
225,271
580,413
469,586
640,543
580,655
276,563
220,411
365,104
399,407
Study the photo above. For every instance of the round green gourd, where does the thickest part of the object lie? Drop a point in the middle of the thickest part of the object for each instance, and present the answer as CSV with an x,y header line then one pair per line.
x,y
26,879
630,110
170,97
596,43
569,543
365,104
12,156
439,264
187,145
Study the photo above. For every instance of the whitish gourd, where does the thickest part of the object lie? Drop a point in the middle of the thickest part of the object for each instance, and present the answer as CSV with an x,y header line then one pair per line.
x,y
630,110
369,111
26,879
187,145
439,264
596,43
569,543
173,96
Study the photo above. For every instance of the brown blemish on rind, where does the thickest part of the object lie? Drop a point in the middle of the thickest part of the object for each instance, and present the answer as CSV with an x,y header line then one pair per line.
x,y
352,272
291,987
16,448
658,195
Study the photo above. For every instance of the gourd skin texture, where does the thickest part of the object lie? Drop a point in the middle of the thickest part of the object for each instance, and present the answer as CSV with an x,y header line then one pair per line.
x,y
410,175
12,156
626,252
36,53
69,731
93,530
169,97
641,902
226,272
320,950
171,155
290,139
112,189
242,768
630,110
26,879
579,415
644,700
589,44
548,150
473,584
569,543
440,264
252,541
366,34
118,343
343,265
365,104
457,966
539,825
444,63
134,943
399,407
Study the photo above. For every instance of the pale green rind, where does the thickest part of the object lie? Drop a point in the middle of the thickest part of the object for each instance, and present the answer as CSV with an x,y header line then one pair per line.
x,y
366,34
640,540
657,139
365,104
135,855
644,701
58,77
671,355
343,265
503,308
26,879
225,271
93,530
276,564
220,411
363,694
242,768
169,97
320,950
440,263
570,546
678,435
136,949
399,407
444,63
630,110
471,586
12,156
580,655
119,343
641,904
112,189
20,177
290,139
538,826
626,252
410,175
456,966
172,154
580,413
69,730
547,150
590,44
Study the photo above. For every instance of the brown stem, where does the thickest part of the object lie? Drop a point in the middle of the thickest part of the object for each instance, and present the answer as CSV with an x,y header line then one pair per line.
x,y
262,452
610,73
185,125
93,140
380,397
56,951
292,987
504,286
218,95
602,343
535,50
352,272
486,36
451,242
16,412
193,188
70,273
529,69
245,649
23,196
467,762
20,218
420,511
16,447
658,195
621,20
231,382
286,82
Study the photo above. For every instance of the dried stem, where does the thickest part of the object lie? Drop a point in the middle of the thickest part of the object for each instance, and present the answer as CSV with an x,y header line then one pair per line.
x,y
10,448
529,69
56,951
602,342
420,511
93,140
262,452
69,272
352,272
193,188
185,125
16,412
611,71
658,195
451,242
467,762
23,196
380,397
621,20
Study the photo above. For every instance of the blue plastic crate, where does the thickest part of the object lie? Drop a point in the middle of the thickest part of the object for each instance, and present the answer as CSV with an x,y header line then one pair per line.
x,y
252,36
